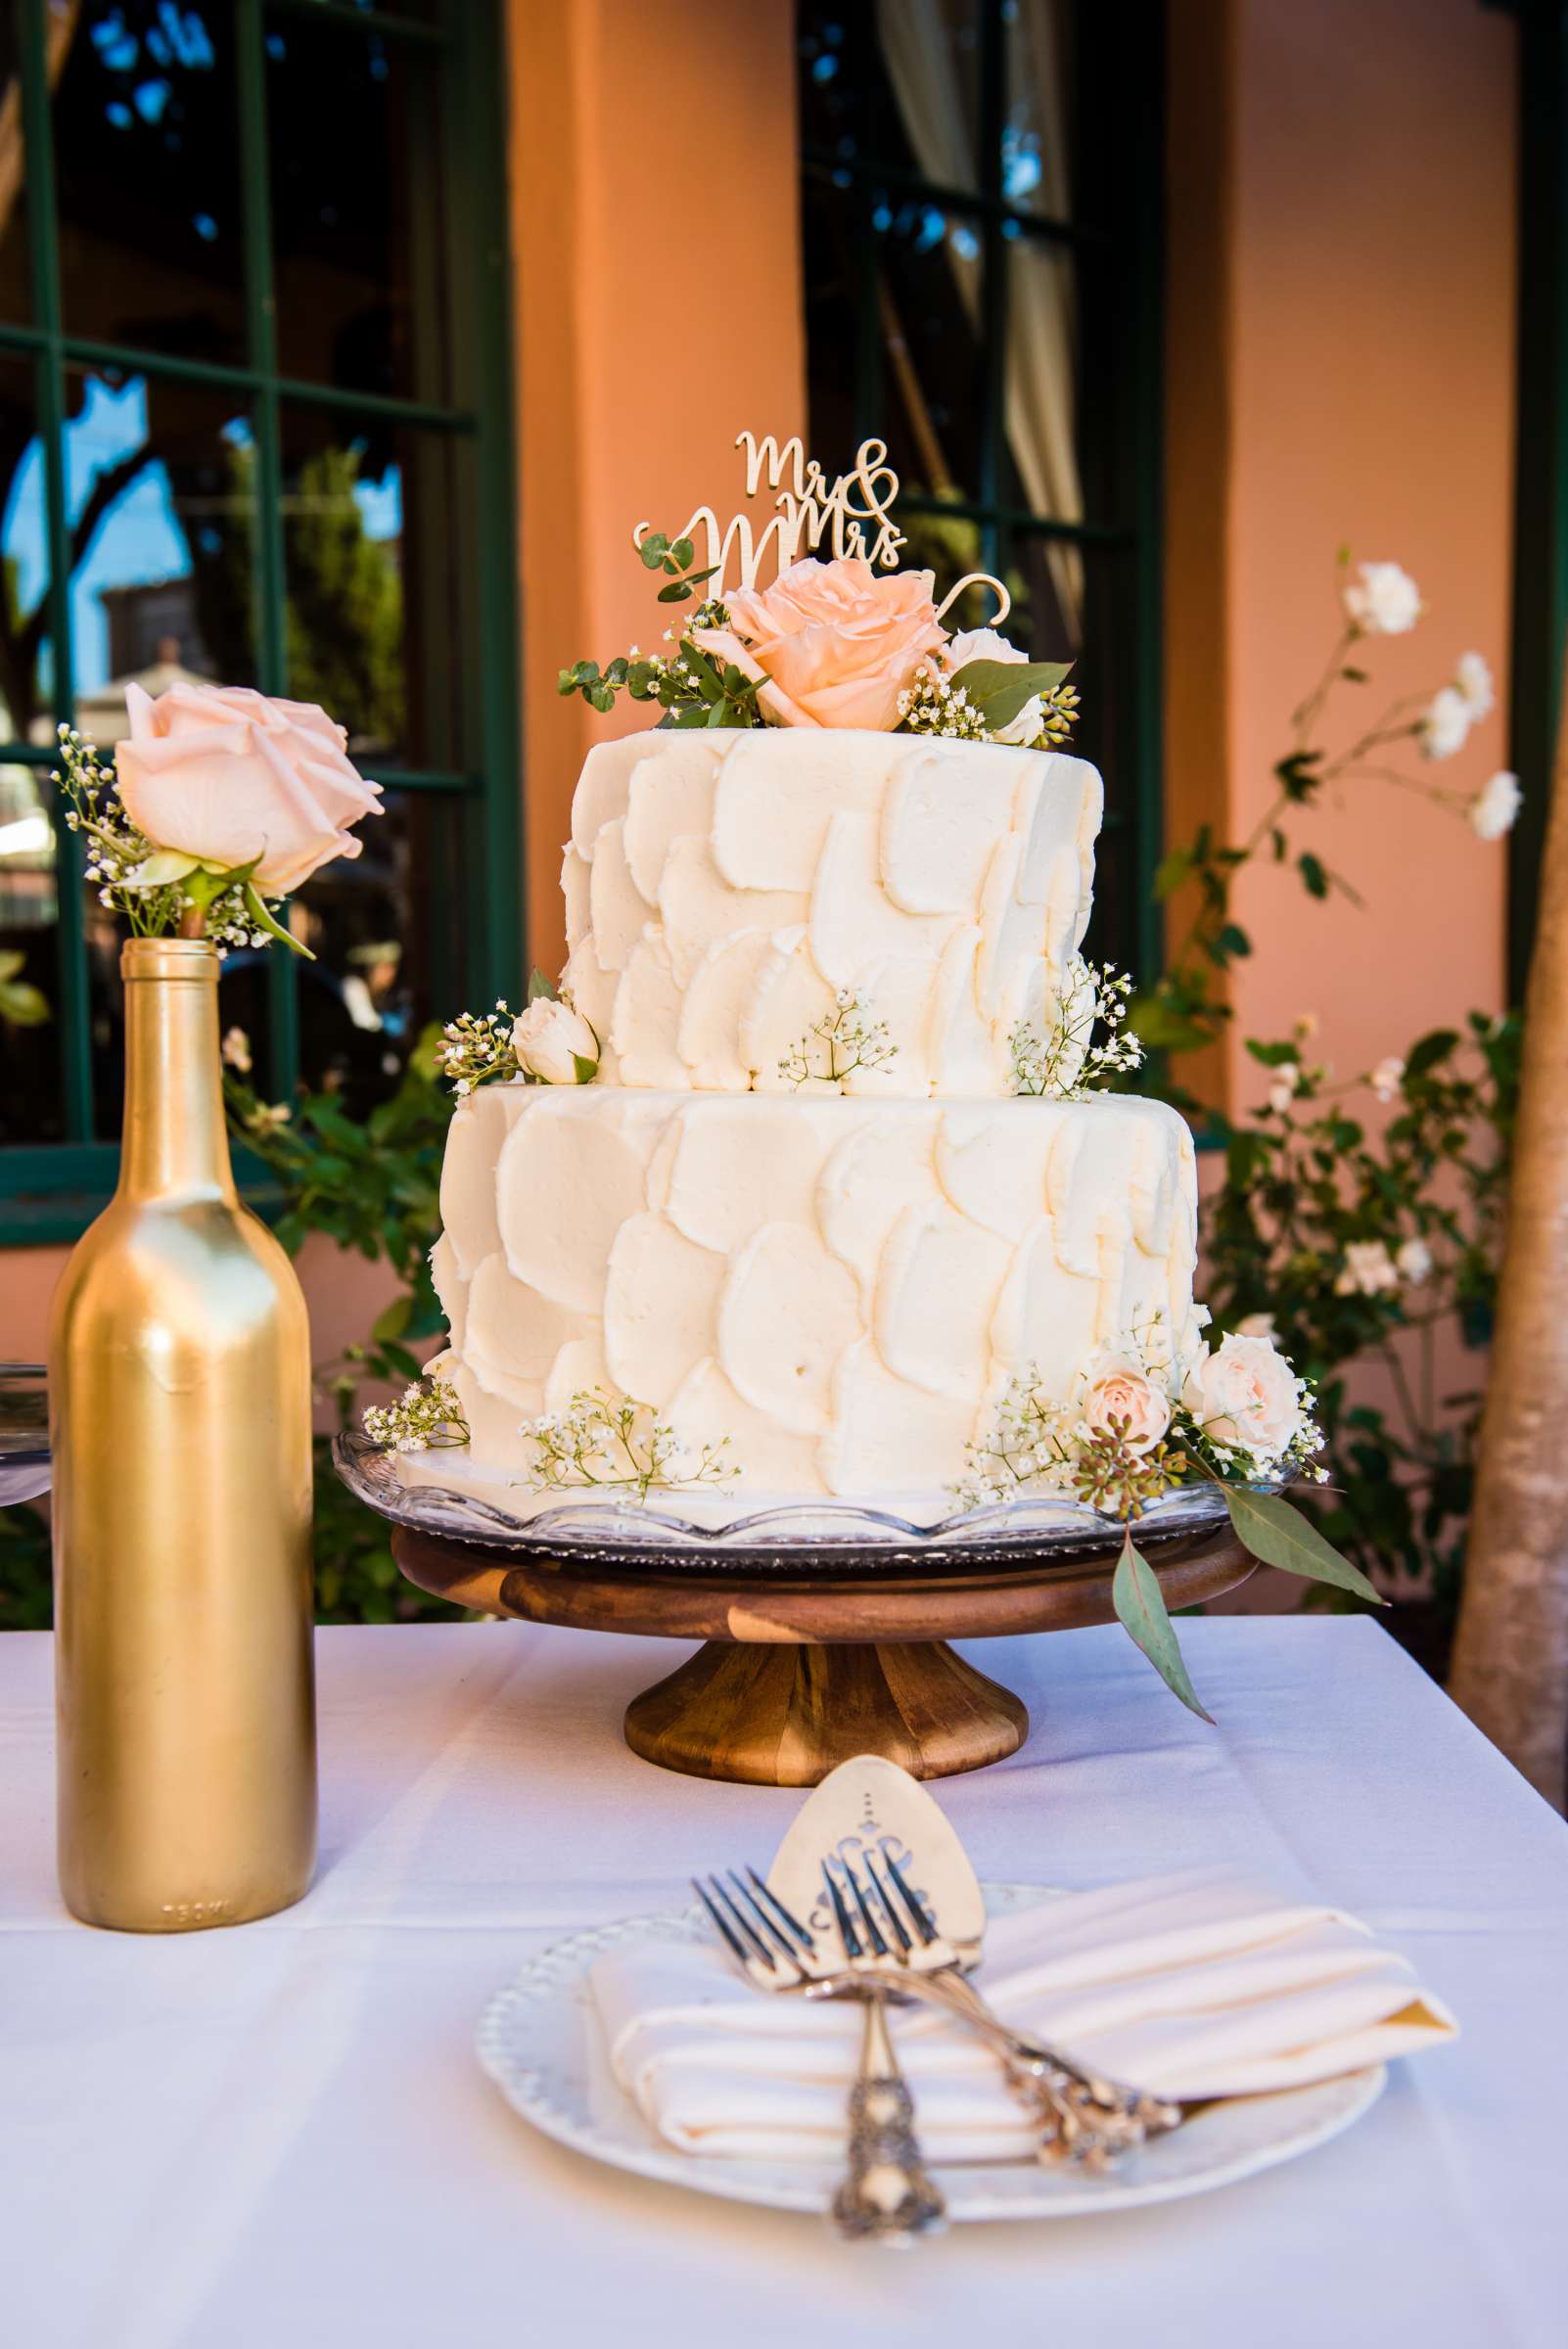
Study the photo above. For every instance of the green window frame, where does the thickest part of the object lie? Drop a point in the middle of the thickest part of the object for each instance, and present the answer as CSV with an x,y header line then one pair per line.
x,y
1124,247
50,1190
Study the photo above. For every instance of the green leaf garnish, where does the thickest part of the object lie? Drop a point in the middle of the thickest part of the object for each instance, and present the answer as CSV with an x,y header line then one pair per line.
x,y
1280,1535
999,689
1139,1603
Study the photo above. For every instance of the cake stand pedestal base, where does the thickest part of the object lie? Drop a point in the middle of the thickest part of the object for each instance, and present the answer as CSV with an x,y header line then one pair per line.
x,y
786,1716
801,1673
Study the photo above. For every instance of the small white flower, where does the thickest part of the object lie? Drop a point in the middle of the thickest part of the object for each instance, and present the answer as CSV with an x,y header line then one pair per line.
x,y
1282,1091
235,1049
1387,1078
1447,724
1415,1261
1473,680
1383,600
1494,807
1370,1270
1304,1025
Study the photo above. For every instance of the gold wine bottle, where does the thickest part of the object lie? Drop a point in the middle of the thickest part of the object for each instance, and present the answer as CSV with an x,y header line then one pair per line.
x,y
179,1391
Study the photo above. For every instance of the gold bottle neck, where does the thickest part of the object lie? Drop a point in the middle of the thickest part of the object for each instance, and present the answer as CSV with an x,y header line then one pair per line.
x,y
175,1142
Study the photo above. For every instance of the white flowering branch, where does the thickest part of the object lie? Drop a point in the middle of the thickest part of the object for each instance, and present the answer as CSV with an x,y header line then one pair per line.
x,y
477,1049
843,1039
616,1442
1065,1063
426,1417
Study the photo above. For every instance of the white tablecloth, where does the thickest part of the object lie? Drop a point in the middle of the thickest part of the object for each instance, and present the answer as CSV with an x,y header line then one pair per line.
x,y
278,2135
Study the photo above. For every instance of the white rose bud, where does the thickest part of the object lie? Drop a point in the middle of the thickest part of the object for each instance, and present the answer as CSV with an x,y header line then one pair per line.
x,y
555,1043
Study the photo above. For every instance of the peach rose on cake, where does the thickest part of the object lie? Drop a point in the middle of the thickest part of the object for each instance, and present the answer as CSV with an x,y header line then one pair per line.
x,y
1246,1397
1118,1388
830,644
225,775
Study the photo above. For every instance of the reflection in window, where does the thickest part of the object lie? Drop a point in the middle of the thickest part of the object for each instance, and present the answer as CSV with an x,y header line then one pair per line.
x,y
371,597
146,117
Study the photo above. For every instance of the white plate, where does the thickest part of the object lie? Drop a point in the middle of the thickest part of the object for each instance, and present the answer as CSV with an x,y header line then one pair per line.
x,y
539,2040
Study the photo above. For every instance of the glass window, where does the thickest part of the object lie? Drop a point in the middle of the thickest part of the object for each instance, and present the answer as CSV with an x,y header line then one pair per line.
x,y
147,168
15,290
244,421
354,123
372,561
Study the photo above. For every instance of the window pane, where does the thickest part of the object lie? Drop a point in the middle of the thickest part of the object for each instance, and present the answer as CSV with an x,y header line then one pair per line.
x,y
16,298
31,1103
377,599
929,308
896,85
26,655
1042,63
354,125
147,161
379,925
160,493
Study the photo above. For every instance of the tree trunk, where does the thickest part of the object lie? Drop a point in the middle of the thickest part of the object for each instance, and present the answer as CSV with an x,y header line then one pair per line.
x,y
1510,1655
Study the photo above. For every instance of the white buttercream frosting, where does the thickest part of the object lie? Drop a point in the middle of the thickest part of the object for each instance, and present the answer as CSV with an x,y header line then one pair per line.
x,y
722,887
841,1281
842,1286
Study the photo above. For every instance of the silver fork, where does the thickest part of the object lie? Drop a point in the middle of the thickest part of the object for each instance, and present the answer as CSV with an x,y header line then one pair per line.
x,y
887,2196
1089,2119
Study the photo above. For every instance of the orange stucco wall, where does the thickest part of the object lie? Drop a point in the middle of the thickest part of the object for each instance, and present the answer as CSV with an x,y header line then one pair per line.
x,y
647,336
1342,373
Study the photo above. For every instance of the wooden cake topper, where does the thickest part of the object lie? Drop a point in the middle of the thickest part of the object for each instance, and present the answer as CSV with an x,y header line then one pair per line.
x,y
851,515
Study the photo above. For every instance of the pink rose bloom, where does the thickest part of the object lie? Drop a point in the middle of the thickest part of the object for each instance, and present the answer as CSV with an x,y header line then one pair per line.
x,y
1245,1396
223,774
1118,1388
830,644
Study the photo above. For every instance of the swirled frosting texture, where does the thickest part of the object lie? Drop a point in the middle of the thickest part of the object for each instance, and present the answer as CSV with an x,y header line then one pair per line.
x,y
842,1287
723,888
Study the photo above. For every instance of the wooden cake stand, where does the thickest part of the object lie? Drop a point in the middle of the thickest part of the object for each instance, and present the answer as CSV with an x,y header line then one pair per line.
x,y
799,1674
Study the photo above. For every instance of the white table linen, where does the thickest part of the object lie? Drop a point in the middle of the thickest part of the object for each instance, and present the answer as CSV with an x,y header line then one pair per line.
x,y
278,2134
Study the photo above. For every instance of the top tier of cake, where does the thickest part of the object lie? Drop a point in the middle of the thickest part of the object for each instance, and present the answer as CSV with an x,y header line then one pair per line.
x,y
726,892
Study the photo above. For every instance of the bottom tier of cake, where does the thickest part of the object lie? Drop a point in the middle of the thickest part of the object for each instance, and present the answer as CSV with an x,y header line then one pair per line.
x,y
837,1290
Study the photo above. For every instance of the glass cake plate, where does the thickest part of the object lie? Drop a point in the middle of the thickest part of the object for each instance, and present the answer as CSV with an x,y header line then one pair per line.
x,y
846,1539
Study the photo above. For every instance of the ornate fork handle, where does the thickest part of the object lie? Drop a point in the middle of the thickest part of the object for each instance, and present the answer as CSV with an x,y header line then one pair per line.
x,y
1093,2120
885,2195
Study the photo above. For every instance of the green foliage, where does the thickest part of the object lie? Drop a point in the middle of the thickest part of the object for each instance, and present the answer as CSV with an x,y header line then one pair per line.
x,y
21,1004
1308,1182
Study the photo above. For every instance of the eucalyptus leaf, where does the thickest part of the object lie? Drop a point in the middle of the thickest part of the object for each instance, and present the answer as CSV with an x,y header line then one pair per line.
x,y
653,550
999,689
1139,1603
1281,1536
684,553
677,592
539,985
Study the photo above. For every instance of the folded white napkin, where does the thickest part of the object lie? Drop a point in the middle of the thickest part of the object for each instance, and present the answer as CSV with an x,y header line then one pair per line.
x,y
1193,1986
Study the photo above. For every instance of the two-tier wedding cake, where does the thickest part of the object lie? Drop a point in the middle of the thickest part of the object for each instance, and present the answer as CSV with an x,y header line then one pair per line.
x,y
799,1185
839,1274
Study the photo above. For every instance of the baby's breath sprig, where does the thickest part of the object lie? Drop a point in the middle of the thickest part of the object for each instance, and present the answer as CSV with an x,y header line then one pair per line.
x,y
843,1039
933,705
477,1049
616,1442
426,1417
1065,1063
